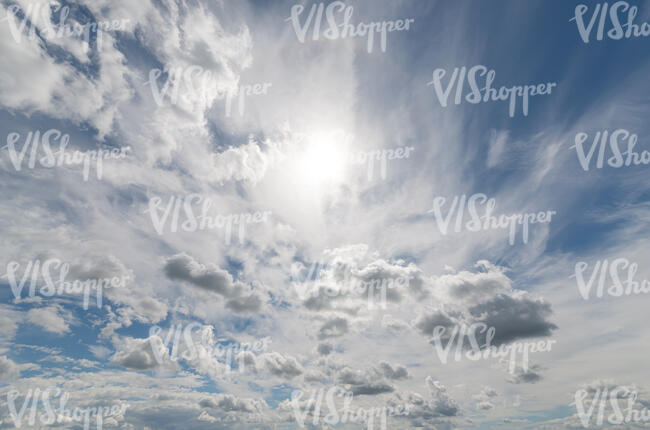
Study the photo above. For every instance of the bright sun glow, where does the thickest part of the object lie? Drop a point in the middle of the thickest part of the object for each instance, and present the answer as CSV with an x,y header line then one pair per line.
x,y
323,160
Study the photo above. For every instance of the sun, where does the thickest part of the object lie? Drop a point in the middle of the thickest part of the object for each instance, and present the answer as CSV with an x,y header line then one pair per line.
x,y
321,163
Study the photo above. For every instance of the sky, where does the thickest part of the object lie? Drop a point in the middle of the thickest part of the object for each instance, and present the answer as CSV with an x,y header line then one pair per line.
x,y
268,203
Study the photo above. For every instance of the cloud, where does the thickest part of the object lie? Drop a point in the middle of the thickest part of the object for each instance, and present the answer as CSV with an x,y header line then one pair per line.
x,y
39,81
484,398
280,365
325,348
373,381
514,317
182,267
529,376
247,163
393,372
245,304
488,298
334,327
139,354
52,319
9,322
8,369
230,403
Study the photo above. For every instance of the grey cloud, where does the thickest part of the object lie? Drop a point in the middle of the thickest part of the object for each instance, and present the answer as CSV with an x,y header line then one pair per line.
x,y
138,354
280,365
245,305
230,403
396,372
333,328
182,267
325,348
514,318
530,376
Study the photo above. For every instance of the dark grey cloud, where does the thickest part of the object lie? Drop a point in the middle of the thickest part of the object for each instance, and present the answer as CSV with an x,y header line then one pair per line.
x,y
425,323
325,348
182,267
514,318
393,372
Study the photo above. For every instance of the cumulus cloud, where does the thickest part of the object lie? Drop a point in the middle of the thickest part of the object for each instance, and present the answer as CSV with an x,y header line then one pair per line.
x,y
280,365
484,398
8,369
373,381
182,267
486,297
248,163
35,80
211,278
142,354
230,403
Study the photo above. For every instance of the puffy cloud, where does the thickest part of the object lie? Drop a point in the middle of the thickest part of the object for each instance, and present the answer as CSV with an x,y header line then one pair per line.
x,y
8,369
393,372
486,297
247,163
52,319
142,354
280,365
182,267
484,398
211,278
230,403
372,381
514,317
39,81
426,412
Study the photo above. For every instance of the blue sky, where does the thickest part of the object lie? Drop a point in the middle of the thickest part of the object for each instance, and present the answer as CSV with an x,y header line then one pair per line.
x,y
284,149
